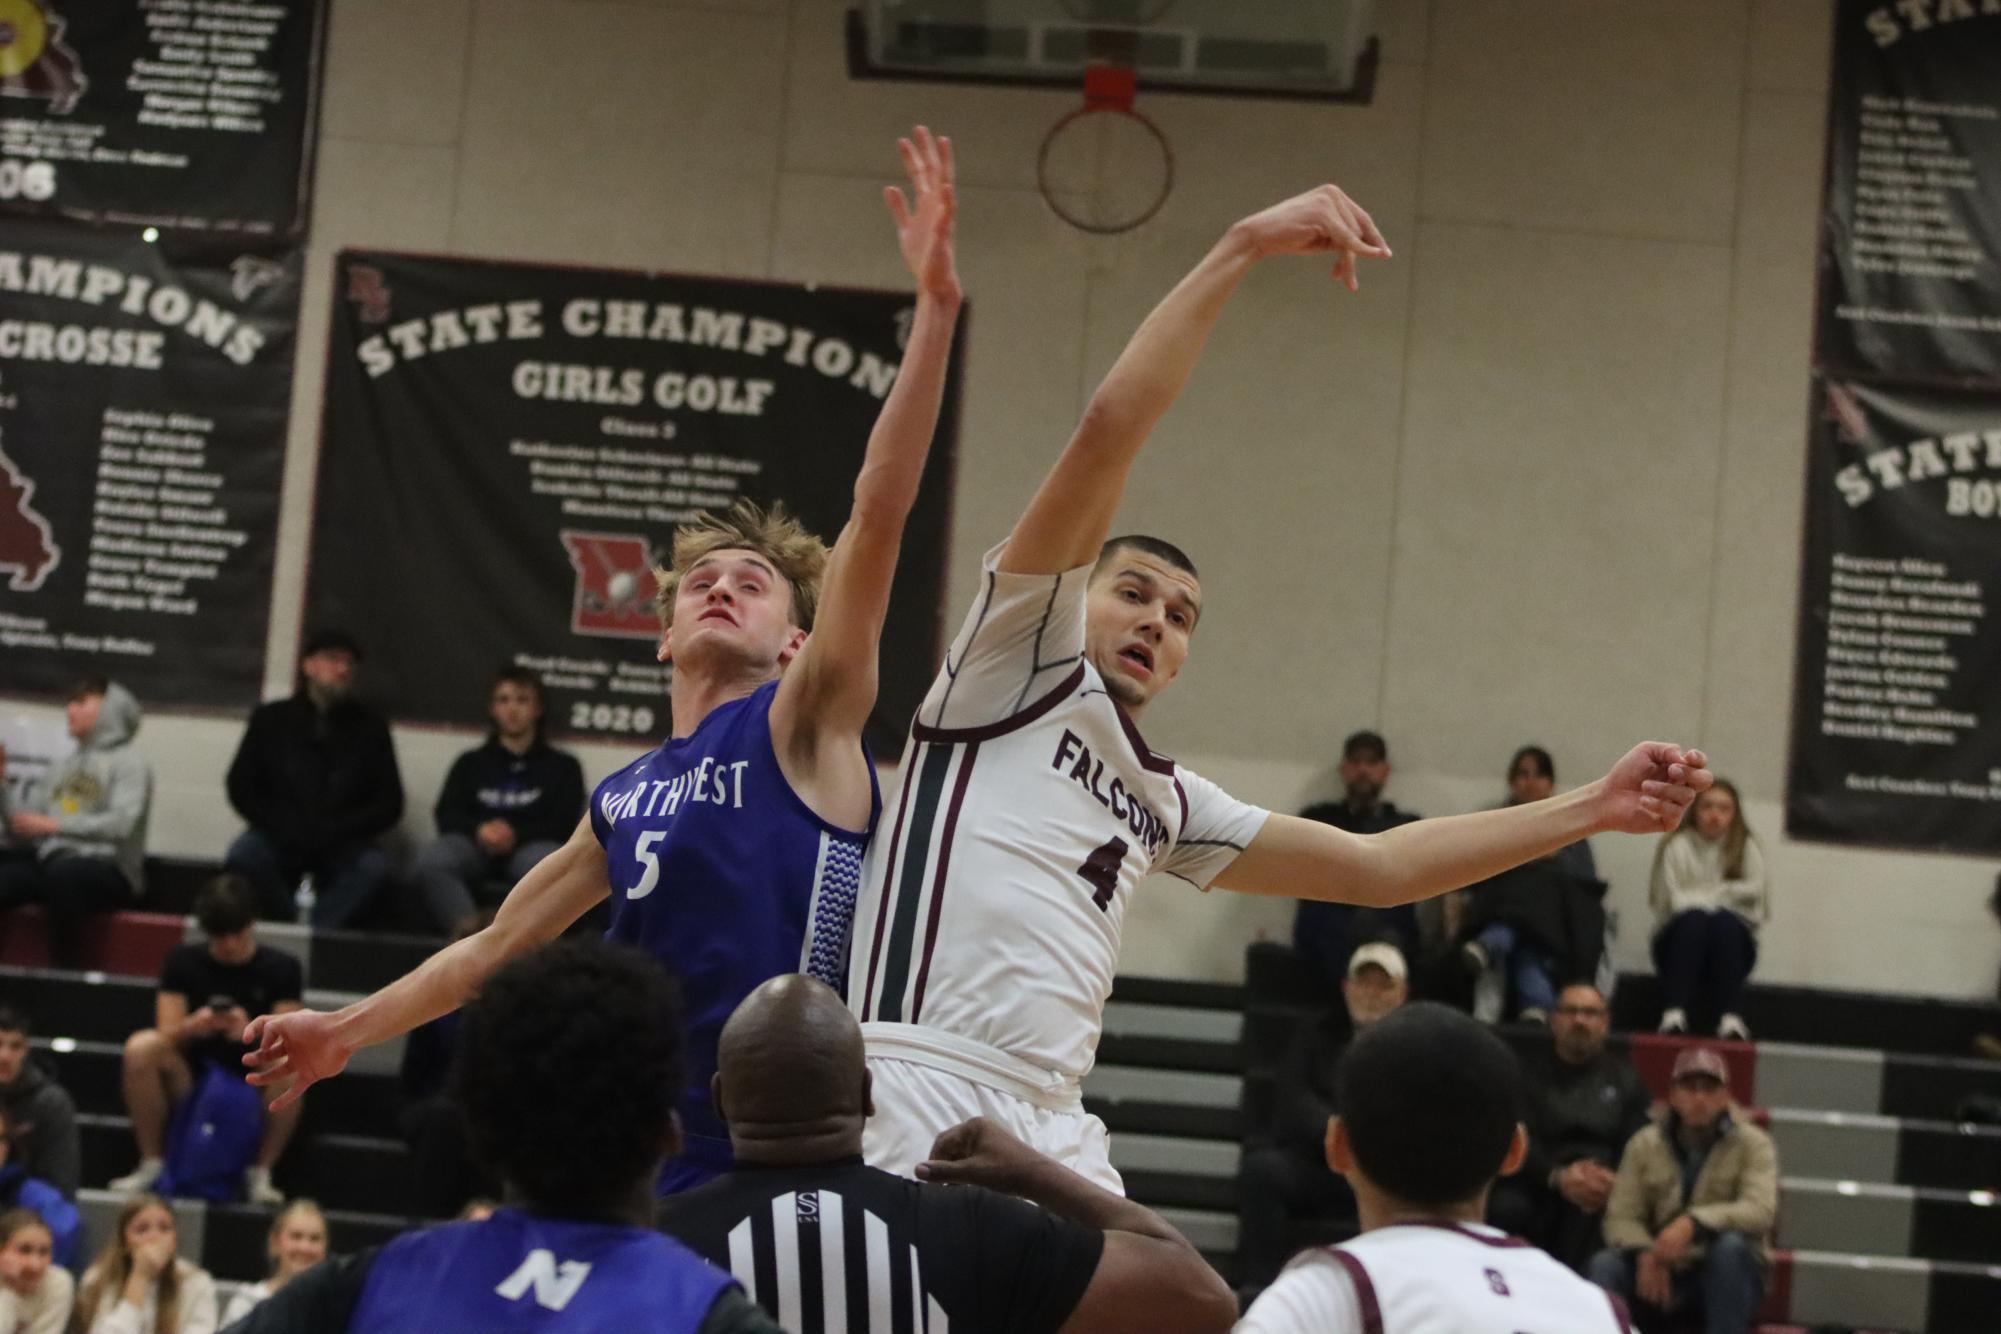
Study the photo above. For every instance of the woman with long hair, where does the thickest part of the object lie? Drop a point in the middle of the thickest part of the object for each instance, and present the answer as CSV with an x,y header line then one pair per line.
x,y
298,1241
35,1292
138,1285
1709,897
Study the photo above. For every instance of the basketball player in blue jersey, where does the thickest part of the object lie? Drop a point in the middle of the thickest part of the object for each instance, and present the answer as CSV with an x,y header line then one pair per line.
x,y
1030,807
570,1068
732,852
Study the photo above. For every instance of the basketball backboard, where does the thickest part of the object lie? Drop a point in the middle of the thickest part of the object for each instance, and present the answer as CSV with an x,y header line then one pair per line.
x,y
1319,49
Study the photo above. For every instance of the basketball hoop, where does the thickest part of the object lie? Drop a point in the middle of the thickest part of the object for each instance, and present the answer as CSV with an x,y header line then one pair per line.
x,y
1108,91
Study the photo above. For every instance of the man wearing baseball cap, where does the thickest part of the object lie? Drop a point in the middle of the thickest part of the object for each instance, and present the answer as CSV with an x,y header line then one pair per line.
x,y
315,779
1287,1177
1325,934
1687,1225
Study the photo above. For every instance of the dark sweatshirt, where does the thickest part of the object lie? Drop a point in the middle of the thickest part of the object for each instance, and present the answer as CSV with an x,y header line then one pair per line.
x,y
541,793
42,1116
1580,1111
316,781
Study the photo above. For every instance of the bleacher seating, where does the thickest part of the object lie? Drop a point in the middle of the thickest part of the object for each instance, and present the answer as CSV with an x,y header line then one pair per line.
x,y
1888,1216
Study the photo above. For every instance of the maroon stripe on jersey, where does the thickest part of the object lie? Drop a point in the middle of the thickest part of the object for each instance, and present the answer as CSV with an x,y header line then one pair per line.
x,y
1182,793
1619,1313
1159,764
938,882
888,883
1365,1291
1012,723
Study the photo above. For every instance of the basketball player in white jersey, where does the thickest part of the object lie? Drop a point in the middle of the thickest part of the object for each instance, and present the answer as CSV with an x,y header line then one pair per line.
x,y
1429,1100
987,931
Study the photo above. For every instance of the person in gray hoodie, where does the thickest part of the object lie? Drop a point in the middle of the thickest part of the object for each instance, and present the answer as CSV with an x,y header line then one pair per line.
x,y
84,823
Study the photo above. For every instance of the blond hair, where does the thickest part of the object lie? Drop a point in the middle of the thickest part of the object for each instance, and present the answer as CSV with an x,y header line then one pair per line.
x,y
298,1208
799,557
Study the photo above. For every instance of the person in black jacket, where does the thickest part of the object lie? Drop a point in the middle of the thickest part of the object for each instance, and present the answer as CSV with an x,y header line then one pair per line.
x,y
1584,1103
505,806
1288,1178
1325,934
315,778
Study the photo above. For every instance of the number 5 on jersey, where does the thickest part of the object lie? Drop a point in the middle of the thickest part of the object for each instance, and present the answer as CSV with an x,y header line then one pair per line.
x,y
648,858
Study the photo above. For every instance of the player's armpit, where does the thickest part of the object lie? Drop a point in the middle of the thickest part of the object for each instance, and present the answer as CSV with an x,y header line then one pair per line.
x,y
1149,1285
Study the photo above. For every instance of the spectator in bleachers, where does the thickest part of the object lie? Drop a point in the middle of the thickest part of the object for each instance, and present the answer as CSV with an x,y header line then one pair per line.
x,y
1687,1222
1709,897
138,1285
315,778
1325,934
1288,1178
505,806
208,994
1584,1104
40,1112
85,821
570,1070
20,1189
36,1294
297,1242
792,1084
1537,922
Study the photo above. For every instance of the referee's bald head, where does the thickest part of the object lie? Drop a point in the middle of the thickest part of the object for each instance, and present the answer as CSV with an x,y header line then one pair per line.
x,y
791,1074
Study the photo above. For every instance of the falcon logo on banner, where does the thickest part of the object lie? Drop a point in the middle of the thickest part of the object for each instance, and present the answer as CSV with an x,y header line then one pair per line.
x,y
34,61
615,585
28,550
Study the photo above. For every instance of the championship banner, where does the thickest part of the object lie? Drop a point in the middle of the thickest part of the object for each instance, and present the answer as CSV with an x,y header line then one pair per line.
x,y
1911,230
507,448
1896,711
143,398
189,114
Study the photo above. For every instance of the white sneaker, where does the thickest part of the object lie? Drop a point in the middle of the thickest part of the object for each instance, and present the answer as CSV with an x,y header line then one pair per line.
x,y
1732,1028
1534,1014
140,1179
1674,1021
257,1187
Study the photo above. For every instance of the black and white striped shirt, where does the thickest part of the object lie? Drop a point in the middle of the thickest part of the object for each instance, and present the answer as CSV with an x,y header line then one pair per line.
x,y
839,1248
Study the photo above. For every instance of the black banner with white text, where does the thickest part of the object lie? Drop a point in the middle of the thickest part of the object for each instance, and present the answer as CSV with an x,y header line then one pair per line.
x,y
143,397
1911,230
1896,711
194,115
507,448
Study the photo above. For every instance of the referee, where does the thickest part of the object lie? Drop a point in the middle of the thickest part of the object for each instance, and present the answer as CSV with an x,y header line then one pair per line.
x,y
827,1245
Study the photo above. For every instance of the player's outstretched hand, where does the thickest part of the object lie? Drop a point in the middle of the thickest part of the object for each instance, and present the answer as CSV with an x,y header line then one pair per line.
x,y
1652,787
924,220
979,1153
1321,221
293,1050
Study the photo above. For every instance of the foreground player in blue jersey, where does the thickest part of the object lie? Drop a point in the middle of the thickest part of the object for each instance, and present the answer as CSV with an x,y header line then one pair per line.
x,y
733,851
570,1069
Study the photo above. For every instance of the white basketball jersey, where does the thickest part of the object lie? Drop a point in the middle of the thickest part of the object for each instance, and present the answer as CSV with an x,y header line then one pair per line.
x,y
1432,1278
1026,810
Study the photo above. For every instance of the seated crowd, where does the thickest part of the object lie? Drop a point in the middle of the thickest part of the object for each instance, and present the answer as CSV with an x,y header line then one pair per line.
x,y
1667,1208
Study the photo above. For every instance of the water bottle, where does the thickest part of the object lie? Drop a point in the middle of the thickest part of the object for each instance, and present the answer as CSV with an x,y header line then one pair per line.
x,y
304,899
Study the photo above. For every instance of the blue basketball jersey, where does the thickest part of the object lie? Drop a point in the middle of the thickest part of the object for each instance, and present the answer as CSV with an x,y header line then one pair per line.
x,y
520,1273
720,871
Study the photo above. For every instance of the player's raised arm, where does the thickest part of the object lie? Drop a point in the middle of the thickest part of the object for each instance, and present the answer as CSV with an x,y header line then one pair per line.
x,y
831,687
304,1046
1646,792
1071,515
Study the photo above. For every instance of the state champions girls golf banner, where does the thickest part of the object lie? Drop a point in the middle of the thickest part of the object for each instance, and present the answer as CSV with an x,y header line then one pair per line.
x,y
507,448
1897,692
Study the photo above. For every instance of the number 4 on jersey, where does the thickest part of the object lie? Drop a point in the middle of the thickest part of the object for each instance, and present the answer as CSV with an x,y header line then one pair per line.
x,y
1101,871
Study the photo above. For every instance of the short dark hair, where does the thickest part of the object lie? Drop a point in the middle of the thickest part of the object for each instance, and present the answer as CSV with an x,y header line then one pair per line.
x,y
92,684
226,905
520,676
1366,740
1430,1100
1545,767
13,1019
1156,547
570,1066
